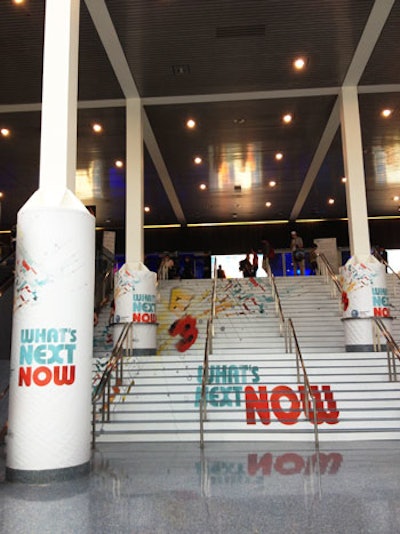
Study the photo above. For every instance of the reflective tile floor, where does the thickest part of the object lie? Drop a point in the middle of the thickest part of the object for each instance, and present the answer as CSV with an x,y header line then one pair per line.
x,y
228,489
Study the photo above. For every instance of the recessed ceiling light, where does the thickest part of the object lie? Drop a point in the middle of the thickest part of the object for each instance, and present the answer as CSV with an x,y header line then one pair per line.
x,y
198,160
203,187
147,209
17,2
239,121
97,128
278,156
331,201
396,198
1,194
287,119
190,123
299,63
119,163
268,204
272,183
386,113
344,179
5,132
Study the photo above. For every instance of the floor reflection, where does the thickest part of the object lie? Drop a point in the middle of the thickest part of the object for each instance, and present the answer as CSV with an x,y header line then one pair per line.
x,y
227,488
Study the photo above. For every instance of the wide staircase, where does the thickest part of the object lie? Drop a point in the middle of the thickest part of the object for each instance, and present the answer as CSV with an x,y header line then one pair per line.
x,y
253,390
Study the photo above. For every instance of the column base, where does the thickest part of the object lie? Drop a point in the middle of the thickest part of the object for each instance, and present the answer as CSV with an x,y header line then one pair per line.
x,y
47,475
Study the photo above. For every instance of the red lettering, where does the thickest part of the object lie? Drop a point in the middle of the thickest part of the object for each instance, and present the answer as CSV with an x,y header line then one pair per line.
x,y
289,416
67,375
253,465
289,464
257,404
42,381
381,312
186,328
25,375
136,317
325,413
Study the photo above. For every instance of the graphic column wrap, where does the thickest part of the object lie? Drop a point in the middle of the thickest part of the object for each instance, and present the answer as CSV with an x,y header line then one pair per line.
x,y
52,338
135,297
364,297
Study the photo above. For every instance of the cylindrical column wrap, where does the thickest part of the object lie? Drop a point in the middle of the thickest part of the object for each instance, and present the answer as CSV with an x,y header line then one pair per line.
x,y
364,297
52,339
135,295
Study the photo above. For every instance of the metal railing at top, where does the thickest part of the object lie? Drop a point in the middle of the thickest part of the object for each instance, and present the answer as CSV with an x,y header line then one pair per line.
x,y
113,370
392,349
302,376
207,351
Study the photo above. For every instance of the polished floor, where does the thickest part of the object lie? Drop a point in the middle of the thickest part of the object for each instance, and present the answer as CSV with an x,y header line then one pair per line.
x,y
247,488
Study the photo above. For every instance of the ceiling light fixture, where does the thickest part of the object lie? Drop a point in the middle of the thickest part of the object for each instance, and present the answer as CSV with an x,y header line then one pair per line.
x,y
97,128
386,113
203,187
147,209
278,156
396,198
239,121
287,119
198,160
190,123
272,183
119,163
268,204
331,201
299,63
344,179
5,132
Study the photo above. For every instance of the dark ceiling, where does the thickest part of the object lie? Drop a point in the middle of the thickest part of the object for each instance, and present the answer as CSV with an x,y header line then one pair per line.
x,y
228,65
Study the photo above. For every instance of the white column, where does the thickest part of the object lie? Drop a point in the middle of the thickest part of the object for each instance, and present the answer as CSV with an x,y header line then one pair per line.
x,y
364,283
134,239
356,195
59,97
52,332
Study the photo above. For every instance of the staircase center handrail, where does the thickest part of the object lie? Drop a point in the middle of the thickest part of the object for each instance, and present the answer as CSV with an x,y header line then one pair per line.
x,y
392,348
278,304
308,393
330,274
207,350
103,388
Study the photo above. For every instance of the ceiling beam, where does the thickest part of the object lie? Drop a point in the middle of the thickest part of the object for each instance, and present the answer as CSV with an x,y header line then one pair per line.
x,y
372,30
109,38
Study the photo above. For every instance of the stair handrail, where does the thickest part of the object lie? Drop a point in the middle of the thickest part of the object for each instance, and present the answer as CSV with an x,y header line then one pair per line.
x,y
308,393
278,305
207,350
122,348
392,348
329,274
385,263
204,382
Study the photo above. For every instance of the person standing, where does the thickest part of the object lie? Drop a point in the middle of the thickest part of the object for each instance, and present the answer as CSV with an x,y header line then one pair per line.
x,y
266,251
298,255
314,258
220,272
254,263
